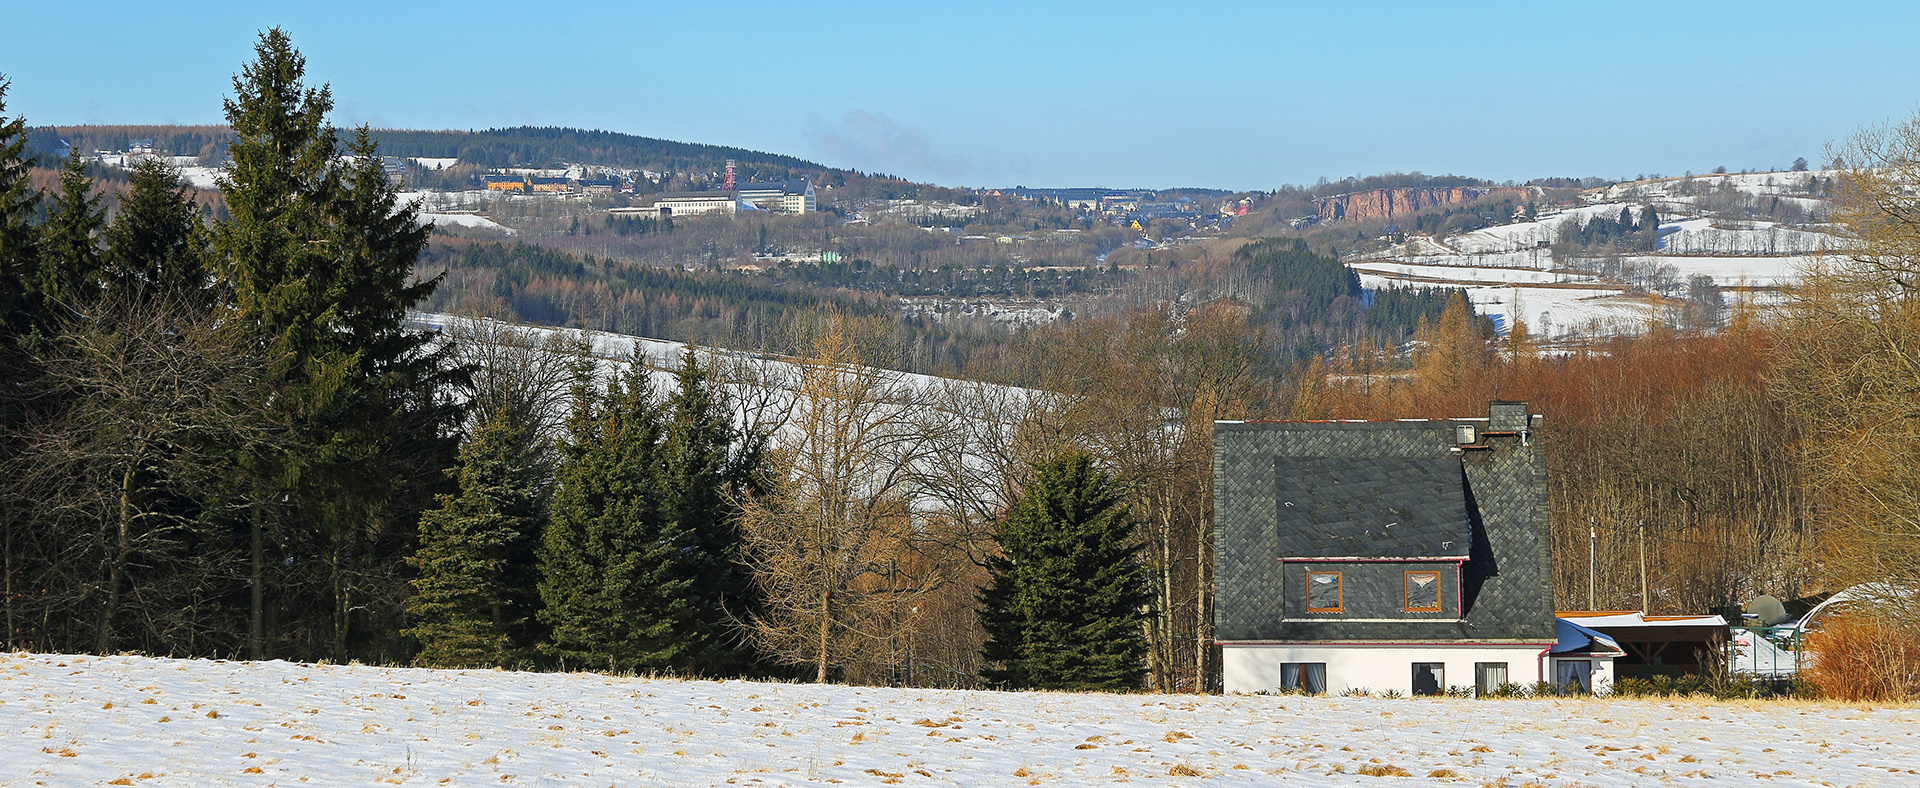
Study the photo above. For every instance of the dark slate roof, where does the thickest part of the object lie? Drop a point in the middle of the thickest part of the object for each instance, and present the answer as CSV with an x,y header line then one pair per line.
x,y
1378,507
1505,584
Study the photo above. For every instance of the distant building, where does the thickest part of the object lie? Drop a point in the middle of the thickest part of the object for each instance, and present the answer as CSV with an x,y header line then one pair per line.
x,y
550,185
506,183
599,186
696,203
789,196
140,146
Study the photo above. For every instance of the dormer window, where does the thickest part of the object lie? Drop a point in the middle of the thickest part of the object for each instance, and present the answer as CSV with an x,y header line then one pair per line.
x,y
1423,592
1323,592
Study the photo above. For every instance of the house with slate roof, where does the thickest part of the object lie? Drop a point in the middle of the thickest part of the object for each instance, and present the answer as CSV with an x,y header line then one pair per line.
x,y
1409,555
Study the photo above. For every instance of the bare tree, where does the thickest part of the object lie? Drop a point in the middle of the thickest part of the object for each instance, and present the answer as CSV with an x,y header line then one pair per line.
x,y
825,544
1853,369
523,375
129,484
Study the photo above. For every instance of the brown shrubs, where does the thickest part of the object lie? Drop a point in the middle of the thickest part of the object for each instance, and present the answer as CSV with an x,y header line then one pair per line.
x,y
1860,660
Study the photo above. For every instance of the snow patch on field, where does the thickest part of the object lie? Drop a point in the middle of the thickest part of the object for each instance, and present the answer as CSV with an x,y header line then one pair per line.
x,y
91,720
474,221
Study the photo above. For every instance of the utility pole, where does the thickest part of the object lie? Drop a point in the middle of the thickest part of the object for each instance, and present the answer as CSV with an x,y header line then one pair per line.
x,y
1593,540
1646,603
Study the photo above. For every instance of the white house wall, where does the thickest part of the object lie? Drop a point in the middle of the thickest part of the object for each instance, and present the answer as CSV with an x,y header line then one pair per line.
x,y
1377,669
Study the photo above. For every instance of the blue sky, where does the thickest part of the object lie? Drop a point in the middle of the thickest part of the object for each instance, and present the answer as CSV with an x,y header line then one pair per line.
x,y
1225,95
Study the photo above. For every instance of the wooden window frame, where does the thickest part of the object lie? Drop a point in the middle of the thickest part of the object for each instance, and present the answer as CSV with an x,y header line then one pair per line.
x,y
1440,680
1339,589
1481,667
1406,581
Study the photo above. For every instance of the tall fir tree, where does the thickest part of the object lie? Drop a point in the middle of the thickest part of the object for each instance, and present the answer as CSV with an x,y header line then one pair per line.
x,y
611,582
69,240
19,240
1066,604
707,466
463,604
156,245
318,256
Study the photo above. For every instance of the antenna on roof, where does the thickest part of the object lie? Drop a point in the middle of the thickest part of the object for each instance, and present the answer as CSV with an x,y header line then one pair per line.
x,y
727,185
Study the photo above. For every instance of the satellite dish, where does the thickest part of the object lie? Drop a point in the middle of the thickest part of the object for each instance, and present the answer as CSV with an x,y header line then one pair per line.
x,y
1769,609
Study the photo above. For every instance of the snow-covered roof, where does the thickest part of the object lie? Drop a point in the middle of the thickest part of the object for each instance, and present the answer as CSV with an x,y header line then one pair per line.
x,y
1635,618
1865,592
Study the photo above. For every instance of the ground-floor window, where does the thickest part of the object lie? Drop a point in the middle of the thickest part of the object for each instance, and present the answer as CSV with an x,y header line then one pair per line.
x,y
1429,678
1574,674
1307,677
1488,677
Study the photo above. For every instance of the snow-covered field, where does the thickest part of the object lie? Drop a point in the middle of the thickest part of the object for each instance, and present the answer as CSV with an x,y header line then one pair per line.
x,y
75,720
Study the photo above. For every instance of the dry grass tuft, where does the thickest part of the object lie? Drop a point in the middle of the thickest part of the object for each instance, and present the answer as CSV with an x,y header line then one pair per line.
x,y
1443,774
1383,770
1174,736
1183,770
1863,661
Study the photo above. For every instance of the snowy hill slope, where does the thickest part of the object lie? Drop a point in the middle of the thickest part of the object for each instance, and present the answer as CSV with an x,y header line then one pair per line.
x,y
1724,226
76,720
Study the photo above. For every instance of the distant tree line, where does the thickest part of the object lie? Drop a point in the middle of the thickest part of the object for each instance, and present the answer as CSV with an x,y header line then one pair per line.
x,y
1011,281
1625,232
209,142
1310,303
1457,219
534,284
553,146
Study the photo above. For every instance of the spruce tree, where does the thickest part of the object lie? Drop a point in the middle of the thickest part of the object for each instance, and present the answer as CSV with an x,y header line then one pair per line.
x,y
318,257
69,244
19,240
1065,606
611,580
706,466
462,604
156,246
